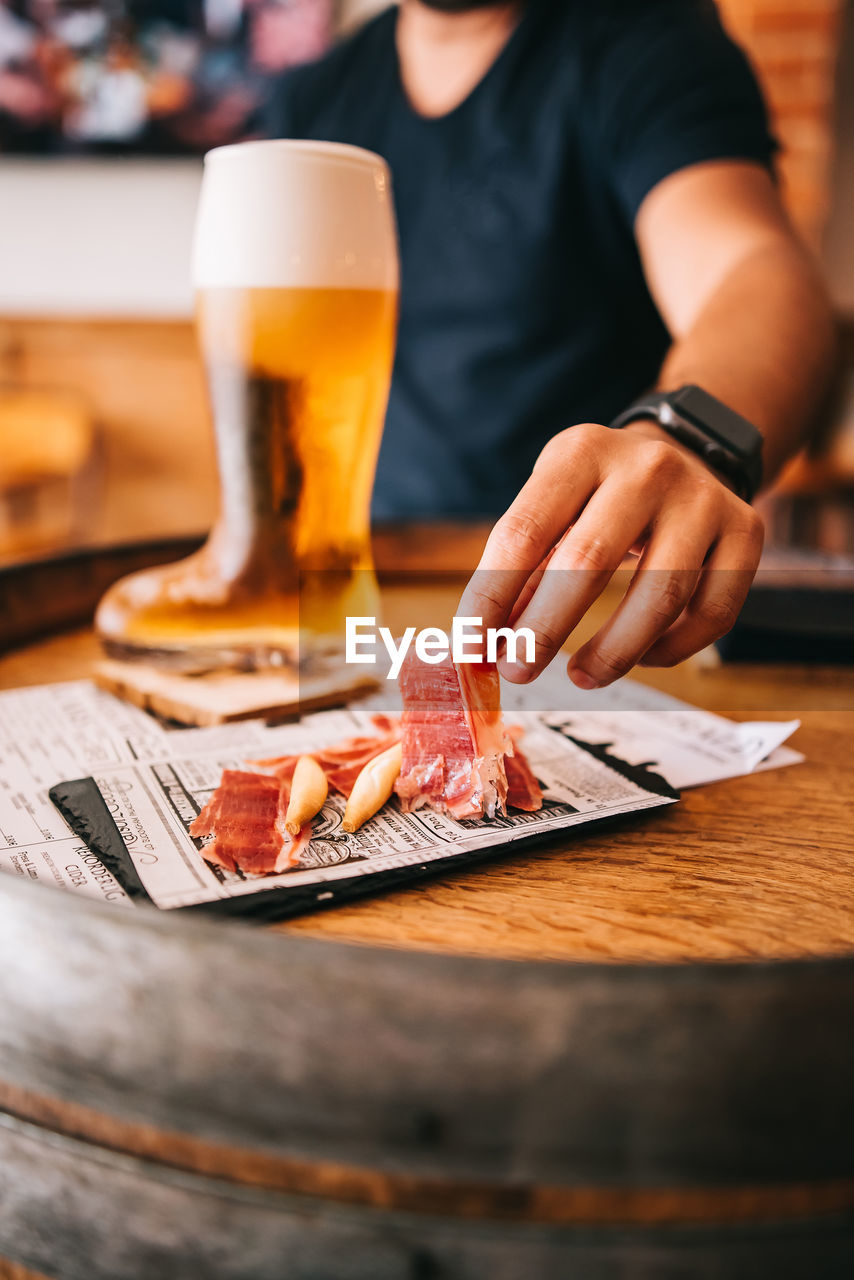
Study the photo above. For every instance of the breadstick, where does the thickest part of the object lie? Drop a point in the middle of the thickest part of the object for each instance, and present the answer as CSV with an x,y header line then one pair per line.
x,y
373,787
309,789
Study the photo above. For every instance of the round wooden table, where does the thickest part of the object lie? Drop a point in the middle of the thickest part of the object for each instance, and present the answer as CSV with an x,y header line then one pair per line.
x,y
629,1054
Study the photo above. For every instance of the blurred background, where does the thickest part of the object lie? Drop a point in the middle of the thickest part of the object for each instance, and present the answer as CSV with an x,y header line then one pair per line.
x,y
105,110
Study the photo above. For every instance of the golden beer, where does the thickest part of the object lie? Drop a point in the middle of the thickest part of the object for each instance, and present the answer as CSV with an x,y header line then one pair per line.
x,y
298,376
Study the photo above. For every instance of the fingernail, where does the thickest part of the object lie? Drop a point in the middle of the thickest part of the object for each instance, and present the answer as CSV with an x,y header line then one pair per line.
x,y
581,679
517,672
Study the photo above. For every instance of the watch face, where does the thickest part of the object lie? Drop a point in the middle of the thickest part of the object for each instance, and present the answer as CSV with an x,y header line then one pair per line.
x,y
717,420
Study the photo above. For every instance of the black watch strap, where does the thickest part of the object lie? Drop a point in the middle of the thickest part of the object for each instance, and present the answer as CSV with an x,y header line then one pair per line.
x,y
721,437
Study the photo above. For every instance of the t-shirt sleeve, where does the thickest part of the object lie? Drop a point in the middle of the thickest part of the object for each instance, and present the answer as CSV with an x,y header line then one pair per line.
x,y
668,88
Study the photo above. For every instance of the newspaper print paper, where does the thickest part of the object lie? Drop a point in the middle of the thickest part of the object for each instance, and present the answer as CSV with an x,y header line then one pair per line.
x,y
595,763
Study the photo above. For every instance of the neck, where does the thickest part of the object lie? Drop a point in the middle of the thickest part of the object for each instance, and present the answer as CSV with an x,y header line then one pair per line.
x,y
444,55
441,27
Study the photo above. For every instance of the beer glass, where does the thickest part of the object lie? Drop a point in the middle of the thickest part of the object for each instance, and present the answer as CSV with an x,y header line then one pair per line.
x,y
296,274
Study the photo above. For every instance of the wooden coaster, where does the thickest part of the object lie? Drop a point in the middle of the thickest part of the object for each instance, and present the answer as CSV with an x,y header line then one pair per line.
x,y
215,698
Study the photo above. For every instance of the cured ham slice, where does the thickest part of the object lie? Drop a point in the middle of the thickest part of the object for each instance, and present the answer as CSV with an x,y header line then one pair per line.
x,y
244,822
240,796
456,755
523,790
523,787
343,762
454,740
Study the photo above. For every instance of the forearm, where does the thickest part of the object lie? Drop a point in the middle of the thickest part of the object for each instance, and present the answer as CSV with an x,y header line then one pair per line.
x,y
763,343
751,324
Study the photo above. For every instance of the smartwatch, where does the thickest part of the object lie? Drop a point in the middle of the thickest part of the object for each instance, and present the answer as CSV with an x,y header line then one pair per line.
x,y
717,434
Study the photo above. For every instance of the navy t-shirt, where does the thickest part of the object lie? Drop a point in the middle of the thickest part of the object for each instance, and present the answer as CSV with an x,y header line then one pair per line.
x,y
523,305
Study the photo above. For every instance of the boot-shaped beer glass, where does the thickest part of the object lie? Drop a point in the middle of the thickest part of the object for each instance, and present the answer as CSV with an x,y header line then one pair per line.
x,y
296,274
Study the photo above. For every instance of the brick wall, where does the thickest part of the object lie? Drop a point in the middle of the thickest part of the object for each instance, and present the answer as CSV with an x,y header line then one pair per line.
x,y
793,45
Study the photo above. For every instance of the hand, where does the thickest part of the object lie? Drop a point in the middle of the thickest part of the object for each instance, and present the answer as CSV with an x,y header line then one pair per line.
x,y
594,496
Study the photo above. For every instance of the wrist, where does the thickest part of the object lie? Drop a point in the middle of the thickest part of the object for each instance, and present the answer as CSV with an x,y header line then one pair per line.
x,y
650,430
728,445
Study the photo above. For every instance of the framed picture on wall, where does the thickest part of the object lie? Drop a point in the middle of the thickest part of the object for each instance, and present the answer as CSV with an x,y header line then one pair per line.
x,y
146,76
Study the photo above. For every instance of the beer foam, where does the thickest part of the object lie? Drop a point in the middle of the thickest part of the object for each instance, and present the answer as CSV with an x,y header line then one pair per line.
x,y
289,214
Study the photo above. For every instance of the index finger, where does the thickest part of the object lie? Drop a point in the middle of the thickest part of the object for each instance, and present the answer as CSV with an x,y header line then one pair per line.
x,y
531,527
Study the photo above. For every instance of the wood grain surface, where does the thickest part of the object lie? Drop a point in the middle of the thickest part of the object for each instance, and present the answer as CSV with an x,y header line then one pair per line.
x,y
419,1114
487,1199
756,867
13,1271
188,1099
